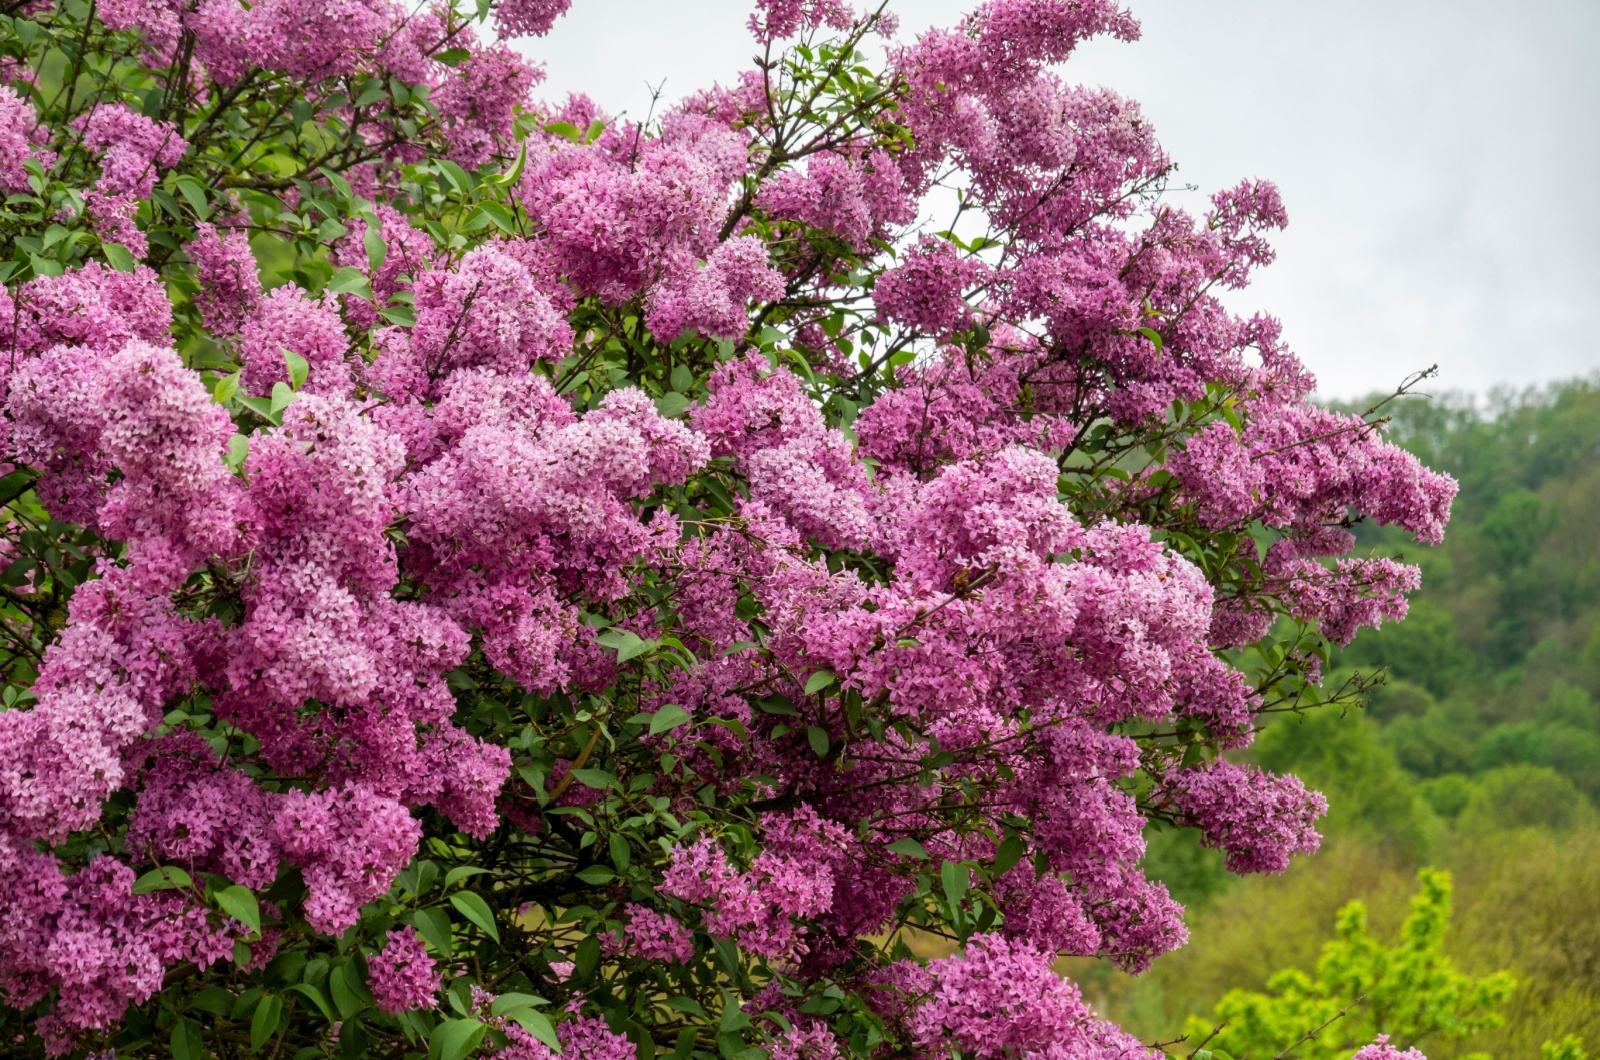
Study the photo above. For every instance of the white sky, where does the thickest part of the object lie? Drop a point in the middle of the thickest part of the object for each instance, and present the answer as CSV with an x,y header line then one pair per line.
x,y
1439,158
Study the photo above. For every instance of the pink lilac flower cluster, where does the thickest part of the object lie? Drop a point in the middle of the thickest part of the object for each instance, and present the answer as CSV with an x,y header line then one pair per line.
x,y
1258,819
402,975
1382,1050
318,44
915,629
1000,999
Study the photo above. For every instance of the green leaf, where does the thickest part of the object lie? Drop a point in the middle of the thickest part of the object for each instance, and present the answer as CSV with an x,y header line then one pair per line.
x,y
668,717
343,985
455,175
402,315
377,249
265,1022
596,875
225,389
908,848
213,999
455,1039
299,368
238,449
164,878
818,738
1009,854
282,398
117,256
777,704
688,1006
315,996
194,193
347,280
260,406
507,1002
598,779
621,852
682,378
536,1024
672,404
186,1041
587,957
955,880
501,216
819,680
461,872
628,645
338,183
475,909
239,903
565,130
434,926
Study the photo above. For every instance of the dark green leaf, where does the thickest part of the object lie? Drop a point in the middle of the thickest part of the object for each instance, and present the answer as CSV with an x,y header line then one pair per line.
x,y
265,1022
475,909
186,1041
194,193
668,717
315,996
908,848
1009,854
819,680
347,990
598,779
955,880
164,878
536,1024
434,926
239,903
455,1039
455,175
596,875
505,1003
588,956
818,738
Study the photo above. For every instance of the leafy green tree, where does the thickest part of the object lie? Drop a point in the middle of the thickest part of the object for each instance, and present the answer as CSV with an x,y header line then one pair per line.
x,y
1412,992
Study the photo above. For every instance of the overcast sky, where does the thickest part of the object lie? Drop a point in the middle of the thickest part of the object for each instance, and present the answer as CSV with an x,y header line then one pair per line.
x,y
1439,158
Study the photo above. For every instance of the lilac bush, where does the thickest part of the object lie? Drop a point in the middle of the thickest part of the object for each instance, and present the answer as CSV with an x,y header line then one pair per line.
x,y
484,576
